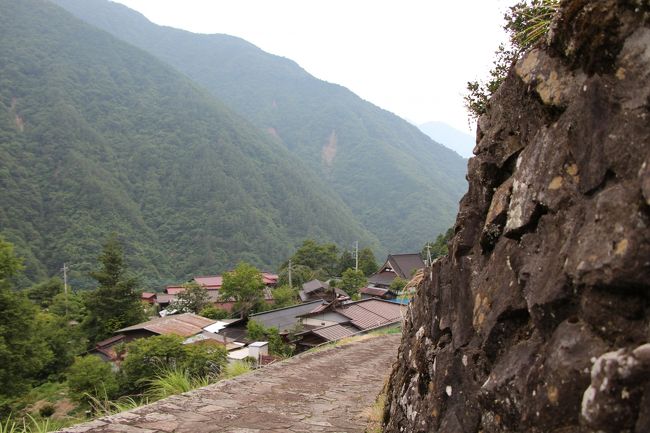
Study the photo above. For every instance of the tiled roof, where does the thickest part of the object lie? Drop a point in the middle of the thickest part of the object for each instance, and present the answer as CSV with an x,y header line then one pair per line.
x,y
314,285
164,298
373,291
211,281
405,265
283,318
174,290
269,279
382,278
179,324
370,313
334,332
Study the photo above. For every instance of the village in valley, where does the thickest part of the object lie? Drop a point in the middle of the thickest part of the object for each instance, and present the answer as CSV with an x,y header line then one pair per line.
x,y
321,313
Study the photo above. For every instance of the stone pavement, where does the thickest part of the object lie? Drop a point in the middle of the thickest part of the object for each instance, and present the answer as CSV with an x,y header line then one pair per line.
x,y
325,391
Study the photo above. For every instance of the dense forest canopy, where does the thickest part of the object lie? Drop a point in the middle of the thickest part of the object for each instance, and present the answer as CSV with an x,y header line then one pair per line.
x,y
398,183
97,136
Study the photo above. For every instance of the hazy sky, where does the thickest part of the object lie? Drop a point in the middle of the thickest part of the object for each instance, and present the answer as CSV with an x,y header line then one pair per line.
x,y
411,57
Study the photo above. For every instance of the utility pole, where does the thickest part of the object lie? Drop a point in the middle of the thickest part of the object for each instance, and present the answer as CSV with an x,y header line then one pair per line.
x,y
429,260
290,283
65,287
356,256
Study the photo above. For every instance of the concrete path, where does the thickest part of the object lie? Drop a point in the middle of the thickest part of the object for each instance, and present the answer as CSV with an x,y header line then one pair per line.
x,y
326,391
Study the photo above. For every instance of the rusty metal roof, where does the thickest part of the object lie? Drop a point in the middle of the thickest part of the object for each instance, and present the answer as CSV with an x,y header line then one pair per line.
x,y
334,332
371,313
179,324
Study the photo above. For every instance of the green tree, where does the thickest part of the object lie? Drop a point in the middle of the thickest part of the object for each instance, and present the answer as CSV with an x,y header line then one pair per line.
x,y
245,285
285,296
317,256
397,285
73,306
203,360
352,281
300,274
115,303
346,261
63,339
90,377
43,294
23,352
147,357
214,313
277,346
367,262
192,300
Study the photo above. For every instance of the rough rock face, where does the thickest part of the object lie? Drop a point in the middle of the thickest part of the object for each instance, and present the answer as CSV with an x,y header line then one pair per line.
x,y
539,318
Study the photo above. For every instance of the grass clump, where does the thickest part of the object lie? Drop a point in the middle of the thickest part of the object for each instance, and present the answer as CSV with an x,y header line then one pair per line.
x,y
235,369
175,380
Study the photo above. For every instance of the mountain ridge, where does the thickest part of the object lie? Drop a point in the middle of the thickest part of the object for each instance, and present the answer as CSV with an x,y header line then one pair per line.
x,y
99,136
400,184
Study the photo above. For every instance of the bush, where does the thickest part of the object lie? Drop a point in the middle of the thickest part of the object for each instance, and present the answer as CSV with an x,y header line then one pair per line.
x,y
214,313
148,358
89,376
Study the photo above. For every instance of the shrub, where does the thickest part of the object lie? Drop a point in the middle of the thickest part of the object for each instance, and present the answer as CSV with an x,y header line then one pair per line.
x,y
148,358
214,313
89,376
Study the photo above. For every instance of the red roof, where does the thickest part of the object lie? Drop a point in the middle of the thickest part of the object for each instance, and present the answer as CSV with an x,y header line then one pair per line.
x,y
210,281
174,290
269,278
147,295
185,324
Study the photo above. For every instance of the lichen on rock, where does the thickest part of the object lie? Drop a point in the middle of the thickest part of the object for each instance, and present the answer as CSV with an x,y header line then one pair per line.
x,y
538,320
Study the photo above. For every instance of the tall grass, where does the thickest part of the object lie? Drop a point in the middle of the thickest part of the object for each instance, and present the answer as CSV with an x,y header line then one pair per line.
x,y
30,425
104,406
175,380
235,369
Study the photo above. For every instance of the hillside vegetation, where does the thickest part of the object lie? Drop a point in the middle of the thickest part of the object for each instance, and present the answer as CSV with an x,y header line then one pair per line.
x,y
399,183
97,136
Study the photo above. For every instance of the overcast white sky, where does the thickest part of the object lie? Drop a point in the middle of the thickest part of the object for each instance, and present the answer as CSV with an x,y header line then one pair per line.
x,y
411,57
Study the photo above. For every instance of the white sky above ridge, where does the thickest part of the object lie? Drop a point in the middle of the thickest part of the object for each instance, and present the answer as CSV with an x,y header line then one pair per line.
x,y
410,57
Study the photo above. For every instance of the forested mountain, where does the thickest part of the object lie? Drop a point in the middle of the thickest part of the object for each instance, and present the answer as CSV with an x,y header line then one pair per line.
x,y
398,182
98,136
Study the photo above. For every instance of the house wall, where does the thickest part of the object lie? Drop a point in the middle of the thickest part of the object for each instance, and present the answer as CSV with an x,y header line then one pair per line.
x,y
317,322
328,316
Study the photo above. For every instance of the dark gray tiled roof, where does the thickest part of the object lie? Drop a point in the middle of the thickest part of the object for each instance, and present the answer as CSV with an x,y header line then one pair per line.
x,y
284,318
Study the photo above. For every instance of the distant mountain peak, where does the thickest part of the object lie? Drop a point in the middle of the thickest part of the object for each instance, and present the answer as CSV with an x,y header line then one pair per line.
x,y
460,142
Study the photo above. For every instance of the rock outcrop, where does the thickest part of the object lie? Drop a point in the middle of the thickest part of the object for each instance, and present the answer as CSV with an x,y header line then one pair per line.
x,y
539,318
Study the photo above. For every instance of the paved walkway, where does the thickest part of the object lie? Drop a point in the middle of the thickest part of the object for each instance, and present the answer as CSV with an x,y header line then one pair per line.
x,y
326,391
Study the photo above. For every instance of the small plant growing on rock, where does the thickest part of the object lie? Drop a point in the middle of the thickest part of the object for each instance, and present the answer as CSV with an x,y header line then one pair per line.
x,y
526,23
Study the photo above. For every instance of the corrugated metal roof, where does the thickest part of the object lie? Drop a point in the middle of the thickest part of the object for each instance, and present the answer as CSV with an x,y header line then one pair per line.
x,y
179,324
212,281
314,285
333,332
283,318
373,291
174,290
371,313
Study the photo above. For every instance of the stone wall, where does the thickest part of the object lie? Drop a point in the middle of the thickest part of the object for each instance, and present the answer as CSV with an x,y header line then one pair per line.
x,y
538,320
